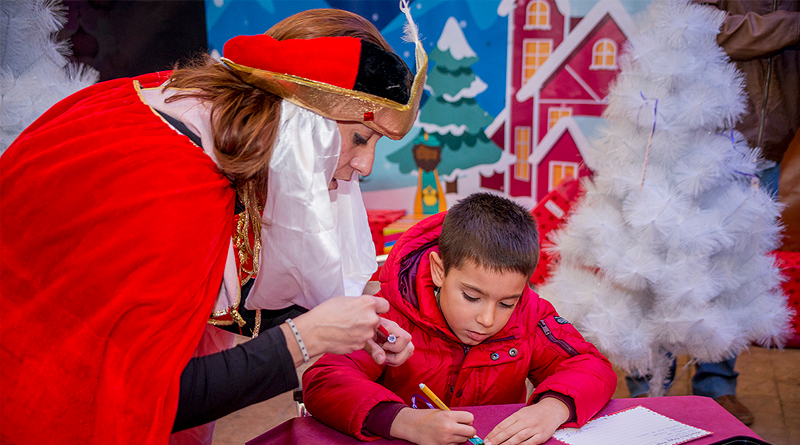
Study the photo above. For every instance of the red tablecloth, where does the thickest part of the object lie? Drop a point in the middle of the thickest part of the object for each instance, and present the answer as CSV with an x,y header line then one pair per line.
x,y
700,412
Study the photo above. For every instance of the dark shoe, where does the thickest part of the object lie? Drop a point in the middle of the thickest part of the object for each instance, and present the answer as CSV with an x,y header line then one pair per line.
x,y
735,407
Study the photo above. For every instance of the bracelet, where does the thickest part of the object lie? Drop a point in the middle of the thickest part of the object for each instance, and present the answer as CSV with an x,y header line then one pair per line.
x,y
299,340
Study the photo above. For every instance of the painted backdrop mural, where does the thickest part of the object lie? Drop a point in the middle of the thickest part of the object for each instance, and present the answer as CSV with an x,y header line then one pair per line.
x,y
451,137
514,93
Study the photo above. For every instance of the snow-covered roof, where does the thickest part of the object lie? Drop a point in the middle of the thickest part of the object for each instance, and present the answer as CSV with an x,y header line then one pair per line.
x,y
498,122
582,129
574,39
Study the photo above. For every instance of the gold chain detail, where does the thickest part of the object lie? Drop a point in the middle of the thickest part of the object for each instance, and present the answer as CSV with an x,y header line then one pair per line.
x,y
258,323
211,321
246,219
245,252
237,317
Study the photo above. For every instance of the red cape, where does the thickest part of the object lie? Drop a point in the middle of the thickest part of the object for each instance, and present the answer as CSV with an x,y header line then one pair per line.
x,y
115,230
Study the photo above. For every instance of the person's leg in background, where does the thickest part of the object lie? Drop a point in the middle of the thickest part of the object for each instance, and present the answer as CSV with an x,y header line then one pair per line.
x,y
637,386
640,387
715,380
718,381
768,179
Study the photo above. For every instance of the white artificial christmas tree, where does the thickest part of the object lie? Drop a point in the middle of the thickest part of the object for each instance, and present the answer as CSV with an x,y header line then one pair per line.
x,y
669,249
34,70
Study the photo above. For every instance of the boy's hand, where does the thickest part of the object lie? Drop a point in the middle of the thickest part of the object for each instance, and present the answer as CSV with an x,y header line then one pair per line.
x,y
531,425
391,354
432,426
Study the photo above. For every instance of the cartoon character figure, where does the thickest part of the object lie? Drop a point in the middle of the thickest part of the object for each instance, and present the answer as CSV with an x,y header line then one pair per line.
x,y
427,153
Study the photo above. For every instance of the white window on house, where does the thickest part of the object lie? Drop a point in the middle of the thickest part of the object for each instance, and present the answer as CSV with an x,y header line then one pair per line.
x,y
556,113
534,53
560,171
604,55
522,147
537,15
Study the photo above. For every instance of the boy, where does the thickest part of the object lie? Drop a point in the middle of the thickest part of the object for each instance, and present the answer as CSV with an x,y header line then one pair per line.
x,y
458,283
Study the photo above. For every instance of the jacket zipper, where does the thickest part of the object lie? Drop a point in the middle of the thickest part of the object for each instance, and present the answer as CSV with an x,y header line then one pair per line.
x,y
465,349
510,337
448,397
560,342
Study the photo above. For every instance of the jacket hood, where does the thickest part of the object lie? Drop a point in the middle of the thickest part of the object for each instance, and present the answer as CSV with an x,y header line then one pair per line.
x,y
407,284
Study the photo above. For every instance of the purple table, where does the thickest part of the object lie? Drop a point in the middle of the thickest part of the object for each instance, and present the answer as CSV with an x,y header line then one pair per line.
x,y
700,412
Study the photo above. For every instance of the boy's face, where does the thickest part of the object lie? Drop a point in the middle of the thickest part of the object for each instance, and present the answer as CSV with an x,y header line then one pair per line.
x,y
476,302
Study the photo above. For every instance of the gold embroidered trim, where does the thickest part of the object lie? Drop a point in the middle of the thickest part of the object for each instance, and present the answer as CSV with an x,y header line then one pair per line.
x,y
242,238
237,318
234,313
244,252
138,87
258,323
392,119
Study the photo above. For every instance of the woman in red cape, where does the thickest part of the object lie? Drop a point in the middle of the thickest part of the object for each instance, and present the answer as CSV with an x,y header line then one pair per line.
x,y
117,217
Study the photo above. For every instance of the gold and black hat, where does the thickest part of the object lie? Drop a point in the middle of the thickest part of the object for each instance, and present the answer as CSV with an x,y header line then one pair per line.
x,y
340,78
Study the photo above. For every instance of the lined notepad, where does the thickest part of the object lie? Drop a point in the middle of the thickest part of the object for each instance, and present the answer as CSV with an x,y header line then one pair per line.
x,y
634,426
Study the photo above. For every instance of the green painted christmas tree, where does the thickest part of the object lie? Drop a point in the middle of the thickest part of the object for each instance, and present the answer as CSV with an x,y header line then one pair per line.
x,y
451,113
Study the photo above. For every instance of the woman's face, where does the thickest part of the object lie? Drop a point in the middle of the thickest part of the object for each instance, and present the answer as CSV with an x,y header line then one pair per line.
x,y
358,151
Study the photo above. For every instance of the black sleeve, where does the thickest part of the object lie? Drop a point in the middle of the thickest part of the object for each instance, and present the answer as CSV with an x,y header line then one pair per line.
x,y
219,384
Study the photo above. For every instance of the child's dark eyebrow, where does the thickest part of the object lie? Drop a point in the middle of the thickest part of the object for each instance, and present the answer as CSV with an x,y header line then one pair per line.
x,y
478,290
473,288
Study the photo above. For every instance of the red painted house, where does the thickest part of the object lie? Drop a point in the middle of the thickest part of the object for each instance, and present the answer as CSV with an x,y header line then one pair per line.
x,y
557,66
564,152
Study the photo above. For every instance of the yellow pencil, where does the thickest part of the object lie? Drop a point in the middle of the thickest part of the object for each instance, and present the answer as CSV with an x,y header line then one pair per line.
x,y
433,397
475,439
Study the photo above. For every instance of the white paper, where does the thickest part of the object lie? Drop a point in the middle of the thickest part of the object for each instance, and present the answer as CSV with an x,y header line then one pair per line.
x,y
635,426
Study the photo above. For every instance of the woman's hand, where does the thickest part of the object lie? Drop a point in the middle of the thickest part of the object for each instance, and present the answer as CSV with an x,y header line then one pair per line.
x,y
340,325
432,426
393,354
530,425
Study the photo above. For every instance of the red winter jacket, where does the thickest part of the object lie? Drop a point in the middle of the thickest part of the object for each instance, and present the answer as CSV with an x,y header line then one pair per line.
x,y
536,344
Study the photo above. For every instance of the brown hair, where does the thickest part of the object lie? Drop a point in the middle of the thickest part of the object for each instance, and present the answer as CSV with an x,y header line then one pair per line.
x,y
493,232
327,23
244,118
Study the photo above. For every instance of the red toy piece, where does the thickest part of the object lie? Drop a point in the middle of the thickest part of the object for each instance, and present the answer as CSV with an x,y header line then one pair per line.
x,y
790,266
550,213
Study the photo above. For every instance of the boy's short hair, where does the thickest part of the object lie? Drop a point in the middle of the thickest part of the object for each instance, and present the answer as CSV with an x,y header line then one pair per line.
x,y
494,232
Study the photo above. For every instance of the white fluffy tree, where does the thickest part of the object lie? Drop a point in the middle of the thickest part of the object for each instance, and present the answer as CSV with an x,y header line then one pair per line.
x,y
34,70
669,249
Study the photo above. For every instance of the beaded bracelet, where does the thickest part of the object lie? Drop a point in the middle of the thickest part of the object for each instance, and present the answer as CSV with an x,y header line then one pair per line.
x,y
299,340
